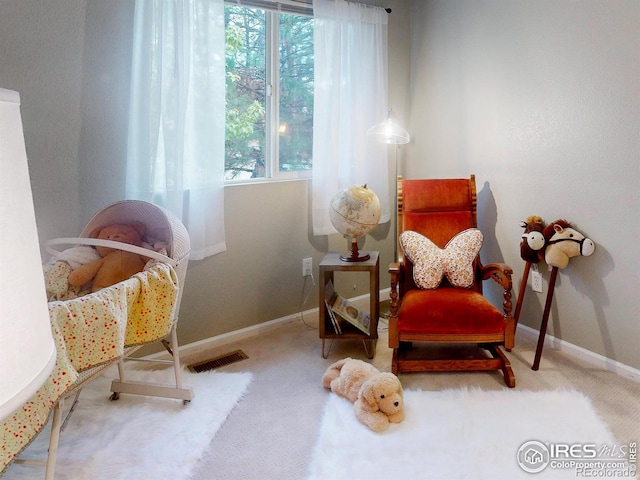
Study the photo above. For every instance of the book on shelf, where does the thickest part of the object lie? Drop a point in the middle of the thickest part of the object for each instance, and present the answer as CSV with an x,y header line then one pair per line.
x,y
328,297
334,321
338,306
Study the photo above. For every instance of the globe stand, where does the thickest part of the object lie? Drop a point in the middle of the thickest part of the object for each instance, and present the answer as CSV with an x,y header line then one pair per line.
x,y
355,254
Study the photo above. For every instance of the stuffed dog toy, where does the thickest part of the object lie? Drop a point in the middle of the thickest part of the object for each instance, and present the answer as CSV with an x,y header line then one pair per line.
x,y
376,396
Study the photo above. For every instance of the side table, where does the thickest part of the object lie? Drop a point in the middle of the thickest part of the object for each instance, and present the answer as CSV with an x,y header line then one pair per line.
x,y
331,263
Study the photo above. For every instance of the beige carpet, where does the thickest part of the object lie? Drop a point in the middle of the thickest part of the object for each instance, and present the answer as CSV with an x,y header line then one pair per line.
x,y
272,432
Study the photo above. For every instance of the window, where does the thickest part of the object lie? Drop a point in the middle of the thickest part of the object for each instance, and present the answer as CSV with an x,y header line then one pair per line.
x,y
269,94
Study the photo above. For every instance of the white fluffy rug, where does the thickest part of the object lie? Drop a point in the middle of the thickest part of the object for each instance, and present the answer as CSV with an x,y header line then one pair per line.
x,y
138,437
454,434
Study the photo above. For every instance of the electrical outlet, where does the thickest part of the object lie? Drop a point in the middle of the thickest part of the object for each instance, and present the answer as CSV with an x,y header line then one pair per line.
x,y
536,281
307,266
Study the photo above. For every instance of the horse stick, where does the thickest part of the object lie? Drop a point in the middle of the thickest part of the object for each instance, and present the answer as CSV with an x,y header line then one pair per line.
x,y
523,289
545,318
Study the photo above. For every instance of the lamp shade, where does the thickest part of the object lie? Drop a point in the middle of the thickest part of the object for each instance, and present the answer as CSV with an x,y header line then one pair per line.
x,y
390,132
27,349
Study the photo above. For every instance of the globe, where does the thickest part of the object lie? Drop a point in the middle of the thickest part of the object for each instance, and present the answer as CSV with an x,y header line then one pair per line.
x,y
354,211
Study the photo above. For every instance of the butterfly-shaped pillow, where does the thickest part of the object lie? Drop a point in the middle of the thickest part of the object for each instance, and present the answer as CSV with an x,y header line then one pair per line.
x,y
431,262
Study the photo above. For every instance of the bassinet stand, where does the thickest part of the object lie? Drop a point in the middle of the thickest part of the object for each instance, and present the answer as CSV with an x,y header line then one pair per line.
x,y
138,388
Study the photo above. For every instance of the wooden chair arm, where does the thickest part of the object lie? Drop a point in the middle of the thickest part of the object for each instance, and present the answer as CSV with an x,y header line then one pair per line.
x,y
500,272
394,268
394,272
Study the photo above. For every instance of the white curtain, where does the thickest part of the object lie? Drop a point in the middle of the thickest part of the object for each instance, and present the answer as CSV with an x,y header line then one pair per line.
x,y
350,50
177,114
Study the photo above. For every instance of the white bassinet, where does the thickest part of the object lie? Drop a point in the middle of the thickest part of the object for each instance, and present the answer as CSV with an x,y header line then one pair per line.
x,y
162,226
165,227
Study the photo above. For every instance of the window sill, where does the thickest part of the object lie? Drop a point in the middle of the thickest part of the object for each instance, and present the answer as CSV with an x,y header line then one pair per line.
x,y
265,181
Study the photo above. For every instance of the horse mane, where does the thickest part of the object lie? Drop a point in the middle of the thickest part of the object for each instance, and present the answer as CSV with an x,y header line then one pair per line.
x,y
548,231
533,223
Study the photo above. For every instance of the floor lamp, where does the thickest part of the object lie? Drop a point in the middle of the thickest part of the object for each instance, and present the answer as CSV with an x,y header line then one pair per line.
x,y
391,133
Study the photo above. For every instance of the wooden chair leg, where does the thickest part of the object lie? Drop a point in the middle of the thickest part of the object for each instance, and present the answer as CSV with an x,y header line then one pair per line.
x,y
507,372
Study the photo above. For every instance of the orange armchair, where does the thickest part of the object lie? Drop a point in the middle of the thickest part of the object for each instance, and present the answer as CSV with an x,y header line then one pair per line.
x,y
446,327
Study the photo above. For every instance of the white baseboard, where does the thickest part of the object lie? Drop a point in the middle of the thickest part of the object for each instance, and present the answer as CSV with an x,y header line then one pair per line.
x,y
261,328
252,331
594,358
235,336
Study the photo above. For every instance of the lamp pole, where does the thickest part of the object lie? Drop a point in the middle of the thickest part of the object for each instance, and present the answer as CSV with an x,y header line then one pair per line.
x,y
391,133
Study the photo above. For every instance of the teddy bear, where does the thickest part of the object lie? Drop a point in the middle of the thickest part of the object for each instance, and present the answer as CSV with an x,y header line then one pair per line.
x,y
377,397
114,265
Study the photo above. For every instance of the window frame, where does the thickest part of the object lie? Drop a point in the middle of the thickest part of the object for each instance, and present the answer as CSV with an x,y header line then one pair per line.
x,y
272,11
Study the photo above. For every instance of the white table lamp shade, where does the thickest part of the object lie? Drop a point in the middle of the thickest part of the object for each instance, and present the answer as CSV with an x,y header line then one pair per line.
x,y
27,350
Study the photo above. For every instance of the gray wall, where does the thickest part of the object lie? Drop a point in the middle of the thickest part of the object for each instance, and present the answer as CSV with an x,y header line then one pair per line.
x,y
538,99
70,61
41,52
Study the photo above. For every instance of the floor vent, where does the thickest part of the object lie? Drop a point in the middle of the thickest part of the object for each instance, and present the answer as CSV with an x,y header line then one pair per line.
x,y
221,361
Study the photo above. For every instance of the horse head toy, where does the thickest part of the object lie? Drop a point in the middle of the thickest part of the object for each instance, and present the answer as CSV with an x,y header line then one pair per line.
x,y
556,243
533,241
564,242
